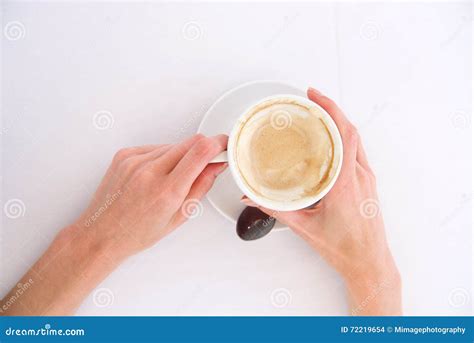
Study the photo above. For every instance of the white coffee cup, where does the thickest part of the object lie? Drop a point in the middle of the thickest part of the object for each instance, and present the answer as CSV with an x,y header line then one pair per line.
x,y
229,156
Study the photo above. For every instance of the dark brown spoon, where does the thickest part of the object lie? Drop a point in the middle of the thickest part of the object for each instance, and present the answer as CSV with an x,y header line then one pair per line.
x,y
254,224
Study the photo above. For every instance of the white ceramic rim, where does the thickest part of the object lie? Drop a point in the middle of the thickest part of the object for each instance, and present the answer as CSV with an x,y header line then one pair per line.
x,y
296,204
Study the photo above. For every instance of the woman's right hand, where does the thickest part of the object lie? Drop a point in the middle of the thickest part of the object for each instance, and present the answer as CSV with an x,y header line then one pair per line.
x,y
147,192
346,226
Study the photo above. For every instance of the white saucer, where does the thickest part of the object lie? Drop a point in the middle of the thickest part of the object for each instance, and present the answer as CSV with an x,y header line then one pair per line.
x,y
220,118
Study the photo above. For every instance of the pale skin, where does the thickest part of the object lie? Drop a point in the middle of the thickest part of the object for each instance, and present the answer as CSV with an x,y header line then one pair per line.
x,y
145,190
346,227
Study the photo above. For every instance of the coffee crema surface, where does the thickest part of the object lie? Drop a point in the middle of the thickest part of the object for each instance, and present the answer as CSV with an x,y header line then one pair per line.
x,y
284,151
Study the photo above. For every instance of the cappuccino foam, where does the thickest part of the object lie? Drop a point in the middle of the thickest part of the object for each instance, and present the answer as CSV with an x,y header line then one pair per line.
x,y
284,150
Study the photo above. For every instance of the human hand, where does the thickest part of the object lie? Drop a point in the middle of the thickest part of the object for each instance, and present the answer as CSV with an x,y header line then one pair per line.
x,y
346,226
146,193
140,199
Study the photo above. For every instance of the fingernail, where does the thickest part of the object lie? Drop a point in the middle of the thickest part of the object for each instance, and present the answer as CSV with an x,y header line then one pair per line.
x,y
314,90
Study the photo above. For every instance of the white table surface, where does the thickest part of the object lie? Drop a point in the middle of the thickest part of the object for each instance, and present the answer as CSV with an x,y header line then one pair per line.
x,y
401,71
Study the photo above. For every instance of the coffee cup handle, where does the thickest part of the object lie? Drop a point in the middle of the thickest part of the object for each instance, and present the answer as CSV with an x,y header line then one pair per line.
x,y
222,157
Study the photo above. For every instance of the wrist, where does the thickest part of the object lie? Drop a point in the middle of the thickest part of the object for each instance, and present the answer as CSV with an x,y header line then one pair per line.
x,y
107,237
369,280
92,255
382,298
375,290
375,268
66,273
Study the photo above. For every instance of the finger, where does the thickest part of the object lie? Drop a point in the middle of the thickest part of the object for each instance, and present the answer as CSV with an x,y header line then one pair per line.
x,y
197,158
125,153
205,180
362,157
169,160
143,161
128,155
146,148
138,161
330,107
348,132
156,153
200,187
